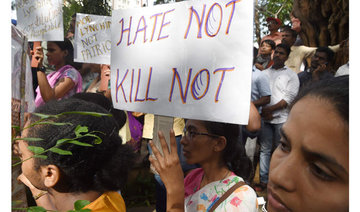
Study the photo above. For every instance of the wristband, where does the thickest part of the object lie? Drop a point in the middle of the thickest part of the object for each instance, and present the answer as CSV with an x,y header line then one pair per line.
x,y
41,69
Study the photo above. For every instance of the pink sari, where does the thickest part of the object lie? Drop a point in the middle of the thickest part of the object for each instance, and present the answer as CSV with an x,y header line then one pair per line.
x,y
66,71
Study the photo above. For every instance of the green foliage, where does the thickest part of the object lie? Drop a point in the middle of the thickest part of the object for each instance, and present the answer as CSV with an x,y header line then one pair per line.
x,y
95,7
29,139
80,132
80,129
60,151
71,7
78,207
80,204
36,150
140,189
35,209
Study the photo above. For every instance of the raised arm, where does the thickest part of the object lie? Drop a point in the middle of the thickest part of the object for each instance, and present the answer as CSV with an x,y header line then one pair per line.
x,y
48,93
254,123
169,168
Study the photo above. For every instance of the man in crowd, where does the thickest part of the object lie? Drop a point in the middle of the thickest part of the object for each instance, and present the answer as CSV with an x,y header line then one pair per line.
x,y
298,53
260,96
319,68
284,86
273,26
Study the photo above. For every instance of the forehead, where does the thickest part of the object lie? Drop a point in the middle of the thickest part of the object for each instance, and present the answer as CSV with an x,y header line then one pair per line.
x,y
307,130
321,55
52,45
265,44
280,49
195,124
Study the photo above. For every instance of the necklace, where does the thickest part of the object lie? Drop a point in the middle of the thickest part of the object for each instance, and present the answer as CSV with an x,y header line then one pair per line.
x,y
202,180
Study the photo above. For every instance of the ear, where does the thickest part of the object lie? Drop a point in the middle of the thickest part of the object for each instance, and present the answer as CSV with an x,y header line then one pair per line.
x,y
220,144
66,52
50,175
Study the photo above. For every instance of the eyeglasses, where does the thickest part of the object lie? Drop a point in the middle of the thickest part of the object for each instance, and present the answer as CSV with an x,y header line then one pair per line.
x,y
190,134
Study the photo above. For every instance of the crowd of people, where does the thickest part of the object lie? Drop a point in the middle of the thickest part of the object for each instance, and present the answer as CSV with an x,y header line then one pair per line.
x,y
299,118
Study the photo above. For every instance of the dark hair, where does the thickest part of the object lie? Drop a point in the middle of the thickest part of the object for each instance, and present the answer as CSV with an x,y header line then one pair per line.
x,y
234,154
329,53
66,45
285,47
255,53
288,29
270,42
335,90
102,167
104,102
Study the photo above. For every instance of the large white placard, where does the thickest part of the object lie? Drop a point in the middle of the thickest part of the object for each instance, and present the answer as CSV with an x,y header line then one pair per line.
x,y
92,39
190,59
41,20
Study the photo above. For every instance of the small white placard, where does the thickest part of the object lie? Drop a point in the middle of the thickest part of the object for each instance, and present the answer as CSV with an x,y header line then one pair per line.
x,y
41,20
92,39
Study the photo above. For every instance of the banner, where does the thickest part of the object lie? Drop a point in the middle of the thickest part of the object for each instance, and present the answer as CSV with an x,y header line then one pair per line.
x,y
191,59
40,20
92,39
22,93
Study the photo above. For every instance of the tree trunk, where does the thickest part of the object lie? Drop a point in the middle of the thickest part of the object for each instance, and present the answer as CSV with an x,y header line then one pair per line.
x,y
257,24
324,23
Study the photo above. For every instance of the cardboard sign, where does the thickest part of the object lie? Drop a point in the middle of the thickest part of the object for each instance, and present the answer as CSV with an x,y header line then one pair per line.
x,y
190,59
92,39
41,20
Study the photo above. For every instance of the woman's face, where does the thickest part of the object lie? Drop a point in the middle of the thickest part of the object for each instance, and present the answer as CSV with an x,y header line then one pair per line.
x,y
55,55
309,170
197,148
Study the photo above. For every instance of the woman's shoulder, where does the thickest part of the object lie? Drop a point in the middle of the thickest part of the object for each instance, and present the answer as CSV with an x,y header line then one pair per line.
x,y
69,68
71,72
242,199
192,181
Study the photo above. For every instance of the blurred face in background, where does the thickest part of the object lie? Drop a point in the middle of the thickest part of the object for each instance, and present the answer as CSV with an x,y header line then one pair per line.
x,y
265,49
55,55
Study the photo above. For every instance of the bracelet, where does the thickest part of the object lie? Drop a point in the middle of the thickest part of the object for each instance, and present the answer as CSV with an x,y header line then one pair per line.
x,y
42,193
41,69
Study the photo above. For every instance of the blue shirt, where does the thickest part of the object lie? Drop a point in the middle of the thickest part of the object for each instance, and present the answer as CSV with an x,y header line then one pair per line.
x,y
260,84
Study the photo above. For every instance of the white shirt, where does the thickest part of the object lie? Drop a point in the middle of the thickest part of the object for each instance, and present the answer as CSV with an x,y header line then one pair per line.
x,y
343,70
284,85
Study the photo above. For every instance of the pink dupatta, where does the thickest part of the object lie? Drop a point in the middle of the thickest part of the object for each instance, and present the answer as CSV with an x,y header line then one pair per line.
x,y
53,79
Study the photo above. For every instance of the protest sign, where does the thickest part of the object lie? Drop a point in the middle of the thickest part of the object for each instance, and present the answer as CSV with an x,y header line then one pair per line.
x,y
40,20
190,59
22,94
92,39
